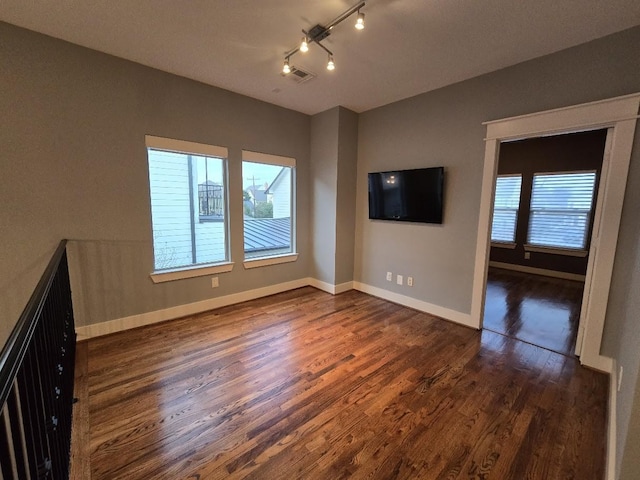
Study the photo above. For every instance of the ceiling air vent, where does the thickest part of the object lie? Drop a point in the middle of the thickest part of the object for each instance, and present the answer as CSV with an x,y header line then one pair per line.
x,y
298,75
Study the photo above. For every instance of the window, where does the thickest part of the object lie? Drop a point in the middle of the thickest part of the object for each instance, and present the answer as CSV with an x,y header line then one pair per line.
x,y
505,208
187,184
210,189
268,204
561,209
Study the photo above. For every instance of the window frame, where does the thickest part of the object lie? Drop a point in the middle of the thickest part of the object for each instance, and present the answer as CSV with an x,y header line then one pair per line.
x,y
563,250
506,243
279,161
208,151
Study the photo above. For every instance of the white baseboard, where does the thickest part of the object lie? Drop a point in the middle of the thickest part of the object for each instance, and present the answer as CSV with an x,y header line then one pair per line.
x,y
538,271
330,288
171,313
148,318
610,472
597,362
438,311
343,287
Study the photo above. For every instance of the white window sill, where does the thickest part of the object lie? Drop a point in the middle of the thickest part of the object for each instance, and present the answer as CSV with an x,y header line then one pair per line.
x,y
557,251
275,260
191,272
508,245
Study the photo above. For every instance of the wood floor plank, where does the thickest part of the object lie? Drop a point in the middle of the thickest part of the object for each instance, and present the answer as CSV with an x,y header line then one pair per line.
x,y
313,386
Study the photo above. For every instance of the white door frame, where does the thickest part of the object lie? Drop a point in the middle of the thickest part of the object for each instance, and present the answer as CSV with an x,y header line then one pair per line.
x,y
619,116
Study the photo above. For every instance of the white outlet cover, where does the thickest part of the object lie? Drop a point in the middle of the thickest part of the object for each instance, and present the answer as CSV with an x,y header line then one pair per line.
x,y
399,279
389,276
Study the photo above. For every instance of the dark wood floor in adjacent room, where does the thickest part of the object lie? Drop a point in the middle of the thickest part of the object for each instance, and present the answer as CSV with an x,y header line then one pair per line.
x,y
306,385
541,310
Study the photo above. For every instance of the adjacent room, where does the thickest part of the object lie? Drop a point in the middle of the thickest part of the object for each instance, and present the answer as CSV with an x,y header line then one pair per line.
x,y
295,239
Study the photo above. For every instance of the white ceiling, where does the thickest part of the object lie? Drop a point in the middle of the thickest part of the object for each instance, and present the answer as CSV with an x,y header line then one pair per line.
x,y
408,46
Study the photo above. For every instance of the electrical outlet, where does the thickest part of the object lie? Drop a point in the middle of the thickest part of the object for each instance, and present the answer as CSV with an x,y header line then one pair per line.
x,y
620,378
527,255
410,281
214,282
389,276
399,279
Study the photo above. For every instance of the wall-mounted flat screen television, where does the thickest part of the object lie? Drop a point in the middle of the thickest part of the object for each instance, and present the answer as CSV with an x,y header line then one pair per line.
x,y
407,195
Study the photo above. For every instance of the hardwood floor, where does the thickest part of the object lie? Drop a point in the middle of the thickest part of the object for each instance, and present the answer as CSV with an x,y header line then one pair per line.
x,y
540,310
306,385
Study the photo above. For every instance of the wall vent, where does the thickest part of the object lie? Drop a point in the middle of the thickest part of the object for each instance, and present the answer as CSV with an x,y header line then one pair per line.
x,y
299,75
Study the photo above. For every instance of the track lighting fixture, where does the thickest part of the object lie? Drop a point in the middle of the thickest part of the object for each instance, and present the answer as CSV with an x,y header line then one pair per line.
x,y
319,32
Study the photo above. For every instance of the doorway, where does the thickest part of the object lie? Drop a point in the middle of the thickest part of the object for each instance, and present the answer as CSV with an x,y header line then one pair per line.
x,y
619,116
546,192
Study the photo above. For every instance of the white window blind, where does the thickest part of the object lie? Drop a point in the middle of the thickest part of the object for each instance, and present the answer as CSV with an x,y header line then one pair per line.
x,y
560,209
505,208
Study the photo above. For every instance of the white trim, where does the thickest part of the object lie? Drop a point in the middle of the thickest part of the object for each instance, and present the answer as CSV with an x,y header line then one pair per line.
x,y
507,245
148,318
183,146
249,156
191,272
275,260
607,216
343,287
324,286
330,288
489,170
586,116
617,114
610,455
555,251
537,271
437,310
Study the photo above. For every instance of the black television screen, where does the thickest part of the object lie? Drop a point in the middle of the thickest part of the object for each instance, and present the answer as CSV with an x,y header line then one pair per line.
x,y
407,195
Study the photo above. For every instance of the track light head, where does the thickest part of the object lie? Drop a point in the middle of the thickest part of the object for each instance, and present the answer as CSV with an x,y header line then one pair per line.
x,y
286,68
330,65
304,45
360,21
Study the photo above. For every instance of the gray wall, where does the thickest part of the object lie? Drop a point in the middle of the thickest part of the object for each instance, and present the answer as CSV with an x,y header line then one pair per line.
x,y
623,323
444,127
334,136
324,178
74,165
346,195
628,341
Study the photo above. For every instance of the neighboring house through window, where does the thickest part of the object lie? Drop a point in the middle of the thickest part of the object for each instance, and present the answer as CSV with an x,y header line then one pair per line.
x,y
187,183
561,205
268,205
505,208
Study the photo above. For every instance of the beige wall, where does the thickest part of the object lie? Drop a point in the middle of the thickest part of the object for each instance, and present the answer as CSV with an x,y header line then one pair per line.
x,y
74,165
